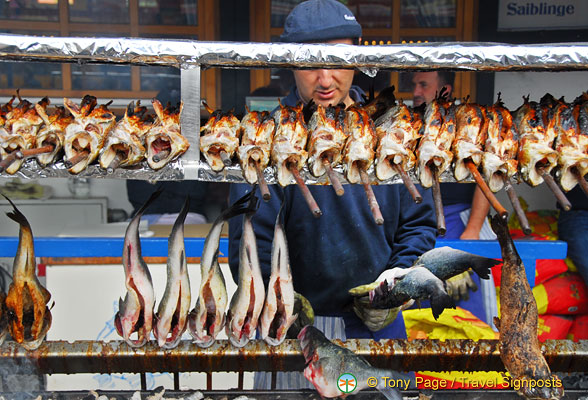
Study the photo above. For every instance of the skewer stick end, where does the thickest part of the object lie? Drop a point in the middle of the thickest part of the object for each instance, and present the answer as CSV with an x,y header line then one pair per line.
x,y
441,231
527,231
317,213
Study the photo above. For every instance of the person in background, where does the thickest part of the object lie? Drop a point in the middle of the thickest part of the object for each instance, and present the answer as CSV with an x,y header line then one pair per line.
x,y
344,248
464,205
572,227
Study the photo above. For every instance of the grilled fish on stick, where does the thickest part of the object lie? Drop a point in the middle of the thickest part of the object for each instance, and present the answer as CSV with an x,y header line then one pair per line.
x,y
164,141
85,137
135,312
22,124
327,138
207,318
52,133
358,154
519,346
469,138
125,143
398,131
278,312
247,301
257,133
439,133
535,146
500,148
572,143
219,139
171,318
4,130
29,318
288,152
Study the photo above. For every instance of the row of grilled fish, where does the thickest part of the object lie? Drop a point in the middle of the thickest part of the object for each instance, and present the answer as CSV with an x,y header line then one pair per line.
x,y
89,133
249,309
24,311
397,137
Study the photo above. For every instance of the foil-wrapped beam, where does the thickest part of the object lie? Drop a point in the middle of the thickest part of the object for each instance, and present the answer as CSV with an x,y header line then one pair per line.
x,y
183,53
397,354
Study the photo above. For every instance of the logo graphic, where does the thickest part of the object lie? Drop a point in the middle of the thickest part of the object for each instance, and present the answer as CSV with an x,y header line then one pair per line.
x,y
349,17
346,383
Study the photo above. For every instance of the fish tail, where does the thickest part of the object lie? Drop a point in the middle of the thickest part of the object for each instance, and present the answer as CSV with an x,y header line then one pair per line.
x,y
482,267
16,215
440,302
247,203
509,251
151,199
183,212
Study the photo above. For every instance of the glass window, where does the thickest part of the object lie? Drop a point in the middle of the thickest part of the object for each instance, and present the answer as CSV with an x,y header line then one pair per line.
x,y
280,10
100,77
30,75
427,14
372,14
40,10
99,11
169,12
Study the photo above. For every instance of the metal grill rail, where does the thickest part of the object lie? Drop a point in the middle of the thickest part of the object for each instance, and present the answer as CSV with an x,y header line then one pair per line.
x,y
415,355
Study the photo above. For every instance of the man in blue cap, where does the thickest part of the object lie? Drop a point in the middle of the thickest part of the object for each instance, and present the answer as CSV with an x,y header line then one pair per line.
x,y
343,248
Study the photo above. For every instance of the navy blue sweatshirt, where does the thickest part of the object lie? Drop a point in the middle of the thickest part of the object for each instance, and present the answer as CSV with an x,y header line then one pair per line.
x,y
343,248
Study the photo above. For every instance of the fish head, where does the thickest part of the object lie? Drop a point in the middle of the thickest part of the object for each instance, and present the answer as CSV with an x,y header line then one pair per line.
x,y
128,314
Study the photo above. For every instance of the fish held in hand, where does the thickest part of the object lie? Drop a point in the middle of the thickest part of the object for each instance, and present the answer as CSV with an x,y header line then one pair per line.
x,y
164,141
247,301
446,262
135,312
520,350
417,284
171,318
326,362
207,318
28,316
278,312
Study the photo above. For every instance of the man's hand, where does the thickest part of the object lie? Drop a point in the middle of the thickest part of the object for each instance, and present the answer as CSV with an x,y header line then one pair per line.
x,y
458,286
374,318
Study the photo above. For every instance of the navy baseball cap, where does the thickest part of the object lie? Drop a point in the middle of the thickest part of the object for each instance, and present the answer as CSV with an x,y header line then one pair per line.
x,y
320,20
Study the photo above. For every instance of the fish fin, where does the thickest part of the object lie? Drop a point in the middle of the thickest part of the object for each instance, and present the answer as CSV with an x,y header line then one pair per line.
x,y
16,215
440,303
482,268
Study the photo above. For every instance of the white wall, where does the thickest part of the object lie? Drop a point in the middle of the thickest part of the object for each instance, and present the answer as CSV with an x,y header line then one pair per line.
x,y
513,86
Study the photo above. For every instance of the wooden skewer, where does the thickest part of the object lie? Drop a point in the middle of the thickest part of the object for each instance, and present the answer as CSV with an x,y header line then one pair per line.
x,y
485,189
314,208
409,184
265,193
118,158
9,159
76,159
33,152
441,229
516,205
333,177
557,192
162,155
374,206
581,180
225,158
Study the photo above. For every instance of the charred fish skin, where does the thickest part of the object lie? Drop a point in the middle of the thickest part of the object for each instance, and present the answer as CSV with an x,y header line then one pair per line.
x,y
247,301
29,318
327,138
520,350
418,284
278,311
446,262
135,312
256,130
164,141
207,318
219,134
359,148
170,321
326,362
52,133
